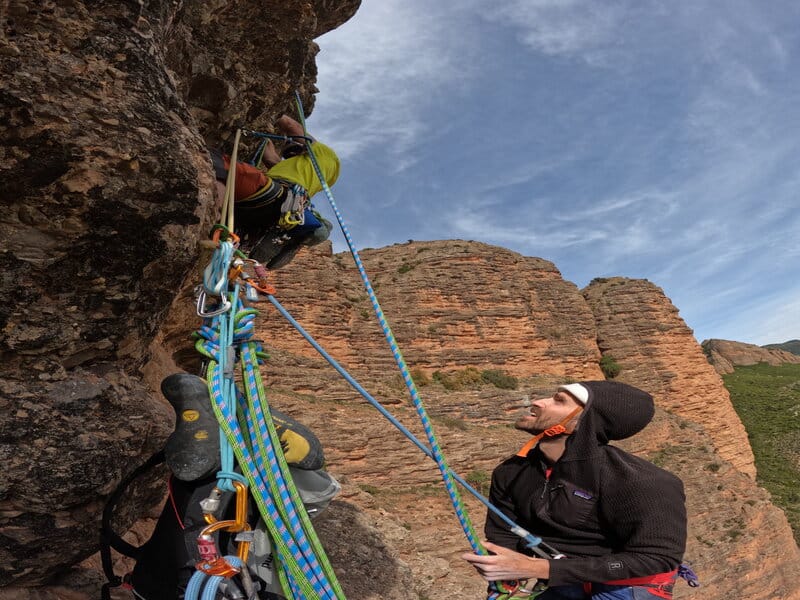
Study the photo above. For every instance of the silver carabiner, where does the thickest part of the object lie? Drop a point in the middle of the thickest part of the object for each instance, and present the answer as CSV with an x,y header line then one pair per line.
x,y
201,306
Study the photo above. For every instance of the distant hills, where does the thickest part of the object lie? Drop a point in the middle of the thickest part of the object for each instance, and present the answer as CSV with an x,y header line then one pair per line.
x,y
724,355
792,346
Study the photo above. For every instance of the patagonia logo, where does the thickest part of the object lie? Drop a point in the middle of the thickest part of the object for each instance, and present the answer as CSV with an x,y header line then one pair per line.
x,y
582,494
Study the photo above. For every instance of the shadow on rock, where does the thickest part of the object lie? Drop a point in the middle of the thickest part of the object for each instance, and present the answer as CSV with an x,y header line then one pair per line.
x,y
366,566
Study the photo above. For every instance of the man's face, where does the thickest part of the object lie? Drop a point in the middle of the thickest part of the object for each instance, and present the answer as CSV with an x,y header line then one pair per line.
x,y
547,412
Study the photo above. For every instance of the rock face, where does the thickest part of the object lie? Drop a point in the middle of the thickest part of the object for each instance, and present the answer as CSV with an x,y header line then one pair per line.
x,y
638,325
724,355
460,309
106,186
634,321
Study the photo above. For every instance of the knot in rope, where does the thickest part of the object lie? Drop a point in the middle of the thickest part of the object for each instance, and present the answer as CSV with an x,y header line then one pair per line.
x,y
208,335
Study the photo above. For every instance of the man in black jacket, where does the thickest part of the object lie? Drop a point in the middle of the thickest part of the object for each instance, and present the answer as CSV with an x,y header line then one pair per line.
x,y
620,520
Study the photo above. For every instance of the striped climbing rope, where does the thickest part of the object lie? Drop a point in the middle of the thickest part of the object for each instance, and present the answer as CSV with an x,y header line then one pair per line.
x,y
249,434
452,490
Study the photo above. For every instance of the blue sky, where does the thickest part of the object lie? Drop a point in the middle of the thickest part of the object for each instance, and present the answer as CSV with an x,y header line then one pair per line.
x,y
642,138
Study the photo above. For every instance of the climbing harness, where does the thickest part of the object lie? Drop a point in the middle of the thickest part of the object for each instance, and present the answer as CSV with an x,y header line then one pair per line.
x,y
295,198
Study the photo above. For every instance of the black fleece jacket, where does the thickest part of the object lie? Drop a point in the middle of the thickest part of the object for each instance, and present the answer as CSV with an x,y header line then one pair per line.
x,y
614,515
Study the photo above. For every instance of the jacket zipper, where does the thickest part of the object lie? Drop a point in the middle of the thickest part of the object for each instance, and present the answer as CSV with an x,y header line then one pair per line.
x,y
547,473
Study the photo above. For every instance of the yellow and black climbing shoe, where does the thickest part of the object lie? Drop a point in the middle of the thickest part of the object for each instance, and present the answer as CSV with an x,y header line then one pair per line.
x,y
192,450
300,446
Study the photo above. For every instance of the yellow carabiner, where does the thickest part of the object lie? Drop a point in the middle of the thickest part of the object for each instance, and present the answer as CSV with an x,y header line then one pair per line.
x,y
289,219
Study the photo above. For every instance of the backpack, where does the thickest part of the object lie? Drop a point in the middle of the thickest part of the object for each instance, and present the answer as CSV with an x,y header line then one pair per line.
x,y
165,563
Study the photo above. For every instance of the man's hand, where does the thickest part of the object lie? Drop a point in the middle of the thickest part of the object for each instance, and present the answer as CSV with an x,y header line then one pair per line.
x,y
506,564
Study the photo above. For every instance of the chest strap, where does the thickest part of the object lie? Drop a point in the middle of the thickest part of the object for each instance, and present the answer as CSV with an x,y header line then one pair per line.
x,y
549,432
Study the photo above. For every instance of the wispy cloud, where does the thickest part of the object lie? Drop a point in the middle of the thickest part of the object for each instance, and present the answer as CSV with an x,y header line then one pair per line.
x,y
380,71
630,137
561,27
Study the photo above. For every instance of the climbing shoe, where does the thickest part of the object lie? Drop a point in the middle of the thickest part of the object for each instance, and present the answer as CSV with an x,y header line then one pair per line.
x,y
300,446
192,450
286,254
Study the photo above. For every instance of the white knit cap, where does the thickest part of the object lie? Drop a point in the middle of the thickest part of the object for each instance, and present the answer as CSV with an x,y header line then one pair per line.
x,y
577,391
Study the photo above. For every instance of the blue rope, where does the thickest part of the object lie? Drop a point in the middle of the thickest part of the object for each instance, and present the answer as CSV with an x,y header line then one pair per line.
x,y
531,541
215,275
217,339
197,581
452,491
259,434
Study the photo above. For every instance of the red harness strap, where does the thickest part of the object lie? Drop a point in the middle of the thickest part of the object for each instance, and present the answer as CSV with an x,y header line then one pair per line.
x,y
659,585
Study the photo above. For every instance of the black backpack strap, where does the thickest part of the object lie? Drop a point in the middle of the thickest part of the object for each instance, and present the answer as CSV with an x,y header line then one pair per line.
x,y
108,537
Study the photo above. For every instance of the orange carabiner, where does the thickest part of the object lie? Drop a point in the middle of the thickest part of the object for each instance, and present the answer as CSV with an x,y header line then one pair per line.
x,y
236,525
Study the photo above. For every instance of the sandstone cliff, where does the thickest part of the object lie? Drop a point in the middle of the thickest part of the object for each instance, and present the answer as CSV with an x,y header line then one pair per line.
x,y
724,355
696,434
641,329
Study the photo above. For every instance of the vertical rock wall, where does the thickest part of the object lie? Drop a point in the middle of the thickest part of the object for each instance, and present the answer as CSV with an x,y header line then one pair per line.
x,y
638,325
106,186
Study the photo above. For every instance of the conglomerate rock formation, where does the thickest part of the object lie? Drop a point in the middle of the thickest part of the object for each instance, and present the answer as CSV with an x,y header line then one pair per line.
x,y
696,433
641,329
109,109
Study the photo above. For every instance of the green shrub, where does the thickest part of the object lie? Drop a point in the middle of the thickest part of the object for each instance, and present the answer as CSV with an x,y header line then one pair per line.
x,y
499,379
472,378
419,377
452,422
610,366
468,378
480,480
405,268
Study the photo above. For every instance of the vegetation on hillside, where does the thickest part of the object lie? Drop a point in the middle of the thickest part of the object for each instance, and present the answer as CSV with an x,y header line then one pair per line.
x,y
767,399
792,346
610,367
472,378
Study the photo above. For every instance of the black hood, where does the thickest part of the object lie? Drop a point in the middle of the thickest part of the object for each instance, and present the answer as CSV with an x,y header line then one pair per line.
x,y
614,411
